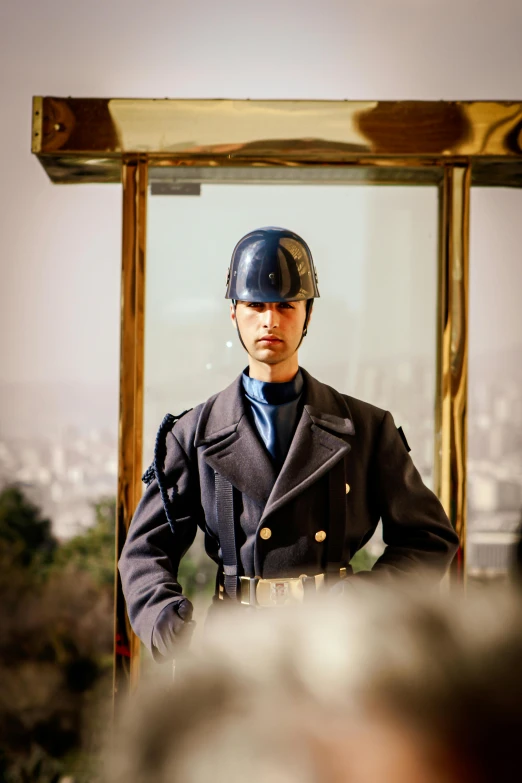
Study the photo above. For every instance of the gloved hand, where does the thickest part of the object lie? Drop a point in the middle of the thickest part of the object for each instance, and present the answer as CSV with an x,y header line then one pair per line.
x,y
173,628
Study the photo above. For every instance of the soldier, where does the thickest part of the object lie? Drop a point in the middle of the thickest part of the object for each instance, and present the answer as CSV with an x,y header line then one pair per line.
x,y
287,477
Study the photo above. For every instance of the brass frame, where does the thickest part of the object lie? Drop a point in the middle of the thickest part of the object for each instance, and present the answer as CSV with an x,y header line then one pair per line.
x,y
135,183
454,144
86,139
452,354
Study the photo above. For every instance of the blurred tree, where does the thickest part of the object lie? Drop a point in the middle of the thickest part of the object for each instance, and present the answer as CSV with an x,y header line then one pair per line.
x,y
25,536
55,667
56,641
93,550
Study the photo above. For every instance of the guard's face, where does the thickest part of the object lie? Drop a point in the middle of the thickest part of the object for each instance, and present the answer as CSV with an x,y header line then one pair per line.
x,y
271,331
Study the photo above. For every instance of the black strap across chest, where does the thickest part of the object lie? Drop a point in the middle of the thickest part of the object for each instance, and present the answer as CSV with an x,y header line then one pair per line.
x,y
336,519
227,532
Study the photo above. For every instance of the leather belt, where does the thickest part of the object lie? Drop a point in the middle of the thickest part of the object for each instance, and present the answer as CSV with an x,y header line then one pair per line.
x,y
282,591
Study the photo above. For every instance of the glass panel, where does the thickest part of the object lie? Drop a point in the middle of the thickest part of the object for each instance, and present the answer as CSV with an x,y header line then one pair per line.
x,y
495,383
373,333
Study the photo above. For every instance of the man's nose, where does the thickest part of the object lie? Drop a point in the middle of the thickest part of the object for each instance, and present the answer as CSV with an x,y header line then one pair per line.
x,y
271,317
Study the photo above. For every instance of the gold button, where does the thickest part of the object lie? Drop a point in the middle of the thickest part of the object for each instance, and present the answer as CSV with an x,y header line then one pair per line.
x,y
347,488
265,533
320,535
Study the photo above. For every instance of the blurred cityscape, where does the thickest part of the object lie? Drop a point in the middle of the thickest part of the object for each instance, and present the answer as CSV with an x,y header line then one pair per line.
x,y
67,471
64,475
59,444
494,461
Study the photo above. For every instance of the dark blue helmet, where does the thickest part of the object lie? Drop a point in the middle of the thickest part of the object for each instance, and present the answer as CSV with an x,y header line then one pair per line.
x,y
271,265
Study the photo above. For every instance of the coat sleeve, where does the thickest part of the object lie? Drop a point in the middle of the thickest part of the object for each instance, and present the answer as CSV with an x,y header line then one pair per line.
x,y
152,552
417,533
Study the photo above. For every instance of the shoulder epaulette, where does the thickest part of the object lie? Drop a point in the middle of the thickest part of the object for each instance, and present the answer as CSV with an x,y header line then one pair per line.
x,y
157,469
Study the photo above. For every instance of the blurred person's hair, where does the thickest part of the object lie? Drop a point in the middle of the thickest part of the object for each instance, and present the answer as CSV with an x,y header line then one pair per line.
x,y
313,695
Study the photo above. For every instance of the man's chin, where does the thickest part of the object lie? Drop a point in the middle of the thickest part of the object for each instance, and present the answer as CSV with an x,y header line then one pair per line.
x,y
268,356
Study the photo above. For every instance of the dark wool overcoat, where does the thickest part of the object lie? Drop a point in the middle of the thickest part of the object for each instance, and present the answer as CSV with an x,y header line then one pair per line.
x,y
336,436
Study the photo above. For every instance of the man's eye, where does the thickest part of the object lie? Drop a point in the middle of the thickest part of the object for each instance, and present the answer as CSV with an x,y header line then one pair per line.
x,y
255,304
286,306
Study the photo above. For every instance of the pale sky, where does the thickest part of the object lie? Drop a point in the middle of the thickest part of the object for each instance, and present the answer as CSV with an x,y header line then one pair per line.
x,y
60,245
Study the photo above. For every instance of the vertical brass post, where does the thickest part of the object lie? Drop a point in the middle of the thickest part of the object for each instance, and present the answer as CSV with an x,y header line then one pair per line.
x,y
452,354
134,180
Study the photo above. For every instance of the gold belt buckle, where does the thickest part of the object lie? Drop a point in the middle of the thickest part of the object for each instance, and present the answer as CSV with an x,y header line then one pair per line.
x,y
279,592
282,592
254,591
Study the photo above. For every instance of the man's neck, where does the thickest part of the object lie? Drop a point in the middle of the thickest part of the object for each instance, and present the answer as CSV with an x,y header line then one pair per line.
x,y
274,373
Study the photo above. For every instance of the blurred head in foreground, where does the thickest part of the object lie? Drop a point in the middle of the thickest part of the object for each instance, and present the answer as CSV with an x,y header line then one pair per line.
x,y
378,689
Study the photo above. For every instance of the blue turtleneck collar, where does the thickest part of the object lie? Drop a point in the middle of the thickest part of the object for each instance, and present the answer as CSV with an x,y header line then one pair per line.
x,y
275,410
272,393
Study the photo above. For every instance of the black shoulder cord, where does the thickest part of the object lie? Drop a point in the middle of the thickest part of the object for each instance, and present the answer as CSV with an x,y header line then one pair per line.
x,y
157,469
224,503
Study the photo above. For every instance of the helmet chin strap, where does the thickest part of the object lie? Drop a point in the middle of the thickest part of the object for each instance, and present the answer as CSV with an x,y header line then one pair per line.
x,y
309,304
234,303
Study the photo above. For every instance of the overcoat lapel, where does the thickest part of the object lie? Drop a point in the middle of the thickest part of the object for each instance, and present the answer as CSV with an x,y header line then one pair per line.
x,y
234,449
318,444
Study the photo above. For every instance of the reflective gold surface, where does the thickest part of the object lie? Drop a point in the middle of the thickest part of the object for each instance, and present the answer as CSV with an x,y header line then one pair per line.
x,y
452,354
127,649
83,139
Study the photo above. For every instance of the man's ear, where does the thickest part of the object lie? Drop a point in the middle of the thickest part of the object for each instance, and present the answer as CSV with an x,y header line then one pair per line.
x,y
233,314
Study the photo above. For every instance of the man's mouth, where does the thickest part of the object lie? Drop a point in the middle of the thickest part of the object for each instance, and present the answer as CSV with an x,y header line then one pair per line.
x,y
269,339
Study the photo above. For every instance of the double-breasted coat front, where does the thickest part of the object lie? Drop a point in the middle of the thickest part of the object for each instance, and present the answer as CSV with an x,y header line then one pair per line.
x,y
345,453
